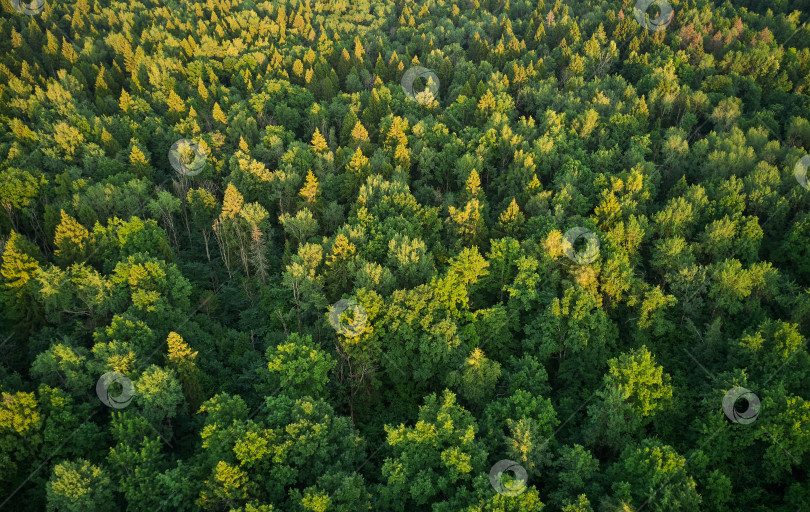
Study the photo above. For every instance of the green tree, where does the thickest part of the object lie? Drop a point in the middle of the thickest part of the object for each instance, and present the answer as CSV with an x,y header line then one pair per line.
x,y
182,361
653,475
433,460
78,485
72,241
20,263
298,368
475,381
204,211
289,445
159,393
644,383
634,389
521,427
21,423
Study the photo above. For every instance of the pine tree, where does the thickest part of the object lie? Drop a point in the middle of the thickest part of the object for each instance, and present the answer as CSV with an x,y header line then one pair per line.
x,y
232,203
340,261
175,103
477,379
380,69
310,191
125,102
101,88
139,164
219,115
359,134
181,360
19,267
202,92
511,221
469,224
72,241
350,120
359,51
318,142
473,184
68,52
109,143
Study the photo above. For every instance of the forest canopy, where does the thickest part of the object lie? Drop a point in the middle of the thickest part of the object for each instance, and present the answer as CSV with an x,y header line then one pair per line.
x,y
397,255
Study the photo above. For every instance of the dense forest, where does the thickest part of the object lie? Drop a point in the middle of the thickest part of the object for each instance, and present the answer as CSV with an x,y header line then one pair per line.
x,y
398,255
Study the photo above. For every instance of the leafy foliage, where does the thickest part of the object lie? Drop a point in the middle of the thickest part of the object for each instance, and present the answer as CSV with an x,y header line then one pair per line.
x,y
359,294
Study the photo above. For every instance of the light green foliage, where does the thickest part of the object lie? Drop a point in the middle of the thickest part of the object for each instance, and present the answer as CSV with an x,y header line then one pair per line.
x,y
204,207
642,382
119,239
159,393
654,474
476,379
71,240
484,499
521,426
438,456
300,226
117,345
473,335
773,345
298,368
77,486
18,187
411,260
154,288
63,365
503,260
20,434
571,325
18,268
580,505
292,442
